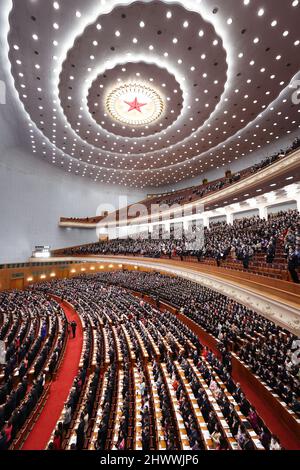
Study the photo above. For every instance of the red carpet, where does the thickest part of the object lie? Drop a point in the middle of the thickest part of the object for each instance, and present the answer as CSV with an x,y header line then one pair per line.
x,y
59,389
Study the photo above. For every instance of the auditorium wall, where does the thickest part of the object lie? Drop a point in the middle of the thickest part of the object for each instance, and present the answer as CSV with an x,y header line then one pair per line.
x,y
285,206
245,214
34,195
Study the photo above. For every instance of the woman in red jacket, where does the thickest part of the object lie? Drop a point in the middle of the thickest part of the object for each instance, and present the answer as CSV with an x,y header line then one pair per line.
x,y
57,440
8,430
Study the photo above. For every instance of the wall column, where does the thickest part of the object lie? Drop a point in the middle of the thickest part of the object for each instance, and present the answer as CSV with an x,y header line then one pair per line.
x,y
263,212
229,217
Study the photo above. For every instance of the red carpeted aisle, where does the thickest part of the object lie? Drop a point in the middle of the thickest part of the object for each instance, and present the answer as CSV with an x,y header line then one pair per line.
x,y
59,389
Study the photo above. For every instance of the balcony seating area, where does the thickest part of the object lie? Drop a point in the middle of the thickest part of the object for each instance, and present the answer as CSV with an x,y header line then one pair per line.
x,y
194,193
268,247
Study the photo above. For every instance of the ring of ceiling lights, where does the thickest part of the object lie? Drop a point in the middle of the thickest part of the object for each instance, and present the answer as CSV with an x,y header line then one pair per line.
x,y
212,144
149,84
201,94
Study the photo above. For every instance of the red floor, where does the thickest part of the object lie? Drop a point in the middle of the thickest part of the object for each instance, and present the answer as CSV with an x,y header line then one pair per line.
x,y
59,389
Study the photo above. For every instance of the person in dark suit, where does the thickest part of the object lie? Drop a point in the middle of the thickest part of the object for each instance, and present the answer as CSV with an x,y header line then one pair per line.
x,y
293,263
73,327
80,434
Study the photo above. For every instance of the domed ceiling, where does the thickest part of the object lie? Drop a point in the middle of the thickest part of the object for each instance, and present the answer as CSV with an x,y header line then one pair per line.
x,y
149,93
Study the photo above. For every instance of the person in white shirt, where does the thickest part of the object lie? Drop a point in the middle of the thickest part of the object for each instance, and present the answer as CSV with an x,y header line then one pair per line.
x,y
142,388
274,444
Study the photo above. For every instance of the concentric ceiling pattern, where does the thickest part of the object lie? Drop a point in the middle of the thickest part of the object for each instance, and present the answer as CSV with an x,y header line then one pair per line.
x,y
108,104
149,93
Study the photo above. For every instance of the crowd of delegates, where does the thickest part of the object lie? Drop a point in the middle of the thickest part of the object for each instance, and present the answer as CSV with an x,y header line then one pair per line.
x,y
29,331
247,236
115,310
239,240
270,351
132,326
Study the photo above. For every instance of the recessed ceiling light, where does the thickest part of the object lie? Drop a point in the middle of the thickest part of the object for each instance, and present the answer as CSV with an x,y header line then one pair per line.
x,y
35,37
260,12
55,25
169,14
142,24
117,33
274,23
78,14
55,5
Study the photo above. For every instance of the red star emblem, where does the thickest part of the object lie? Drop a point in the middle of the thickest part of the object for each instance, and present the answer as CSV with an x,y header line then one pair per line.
x,y
135,105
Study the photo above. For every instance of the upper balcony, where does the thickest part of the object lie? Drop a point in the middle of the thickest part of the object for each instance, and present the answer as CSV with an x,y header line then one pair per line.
x,y
280,171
